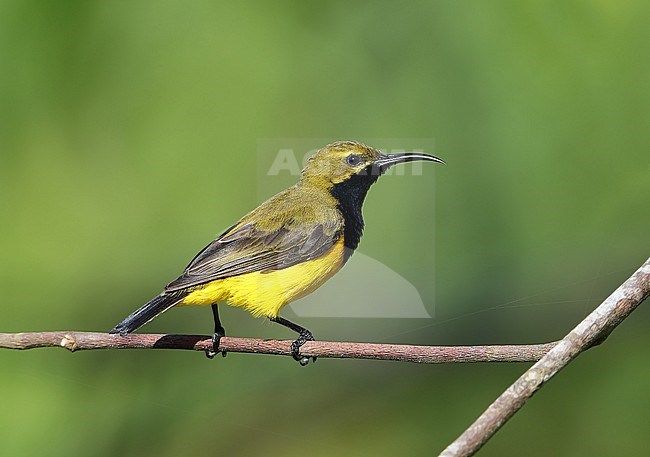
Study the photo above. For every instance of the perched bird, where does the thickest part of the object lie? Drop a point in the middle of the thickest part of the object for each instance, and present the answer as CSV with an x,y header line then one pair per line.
x,y
285,248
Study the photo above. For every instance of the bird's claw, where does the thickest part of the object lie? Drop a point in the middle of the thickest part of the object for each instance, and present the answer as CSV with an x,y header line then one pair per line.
x,y
214,348
295,348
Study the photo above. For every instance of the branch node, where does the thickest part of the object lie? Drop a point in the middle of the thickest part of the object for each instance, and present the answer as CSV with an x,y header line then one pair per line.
x,y
69,342
593,330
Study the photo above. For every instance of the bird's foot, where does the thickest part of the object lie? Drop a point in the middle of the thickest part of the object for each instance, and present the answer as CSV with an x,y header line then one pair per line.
x,y
305,336
216,338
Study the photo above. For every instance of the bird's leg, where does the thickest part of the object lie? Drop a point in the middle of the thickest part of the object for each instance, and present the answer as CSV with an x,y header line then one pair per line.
x,y
304,336
219,331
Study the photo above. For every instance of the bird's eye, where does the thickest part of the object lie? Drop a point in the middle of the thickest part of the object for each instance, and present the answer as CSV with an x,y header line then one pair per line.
x,y
353,160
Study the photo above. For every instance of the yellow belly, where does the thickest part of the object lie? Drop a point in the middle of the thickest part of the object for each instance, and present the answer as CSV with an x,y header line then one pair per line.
x,y
264,294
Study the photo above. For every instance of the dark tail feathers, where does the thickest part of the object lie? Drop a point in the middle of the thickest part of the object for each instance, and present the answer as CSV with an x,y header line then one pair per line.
x,y
145,313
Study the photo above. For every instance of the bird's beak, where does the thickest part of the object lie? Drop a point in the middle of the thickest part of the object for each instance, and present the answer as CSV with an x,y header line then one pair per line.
x,y
386,160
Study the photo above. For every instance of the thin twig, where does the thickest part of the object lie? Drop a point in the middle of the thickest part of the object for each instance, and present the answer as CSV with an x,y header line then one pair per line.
x,y
591,331
76,341
552,357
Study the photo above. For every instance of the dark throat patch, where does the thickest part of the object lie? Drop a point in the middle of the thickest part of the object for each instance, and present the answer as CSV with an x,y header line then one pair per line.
x,y
350,195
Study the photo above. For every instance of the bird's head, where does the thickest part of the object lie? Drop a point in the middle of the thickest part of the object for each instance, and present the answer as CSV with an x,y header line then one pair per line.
x,y
343,161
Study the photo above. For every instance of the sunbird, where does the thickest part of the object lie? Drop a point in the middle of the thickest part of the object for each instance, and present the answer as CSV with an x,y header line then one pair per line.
x,y
285,248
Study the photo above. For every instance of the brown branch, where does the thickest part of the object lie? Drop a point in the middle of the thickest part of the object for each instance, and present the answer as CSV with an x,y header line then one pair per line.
x,y
77,341
591,331
551,357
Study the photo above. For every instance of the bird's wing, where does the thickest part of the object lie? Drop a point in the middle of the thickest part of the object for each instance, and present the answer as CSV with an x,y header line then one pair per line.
x,y
250,247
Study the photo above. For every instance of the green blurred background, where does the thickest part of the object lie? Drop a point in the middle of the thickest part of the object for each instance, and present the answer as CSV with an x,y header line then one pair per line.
x,y
129,137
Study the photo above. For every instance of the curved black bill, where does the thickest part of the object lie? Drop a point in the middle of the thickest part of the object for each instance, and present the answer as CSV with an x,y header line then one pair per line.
x,y
386,160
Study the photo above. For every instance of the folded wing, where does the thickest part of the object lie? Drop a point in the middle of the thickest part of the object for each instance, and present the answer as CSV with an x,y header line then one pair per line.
x,y
247,248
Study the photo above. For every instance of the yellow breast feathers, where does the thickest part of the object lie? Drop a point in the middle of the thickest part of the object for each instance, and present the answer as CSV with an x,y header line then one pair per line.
x,y
265,293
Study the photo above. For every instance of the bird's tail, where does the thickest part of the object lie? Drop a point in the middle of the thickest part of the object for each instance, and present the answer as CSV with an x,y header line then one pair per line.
x,y
145,313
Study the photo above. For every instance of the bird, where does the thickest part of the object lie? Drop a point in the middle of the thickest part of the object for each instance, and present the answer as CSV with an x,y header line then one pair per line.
x,y
285,248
